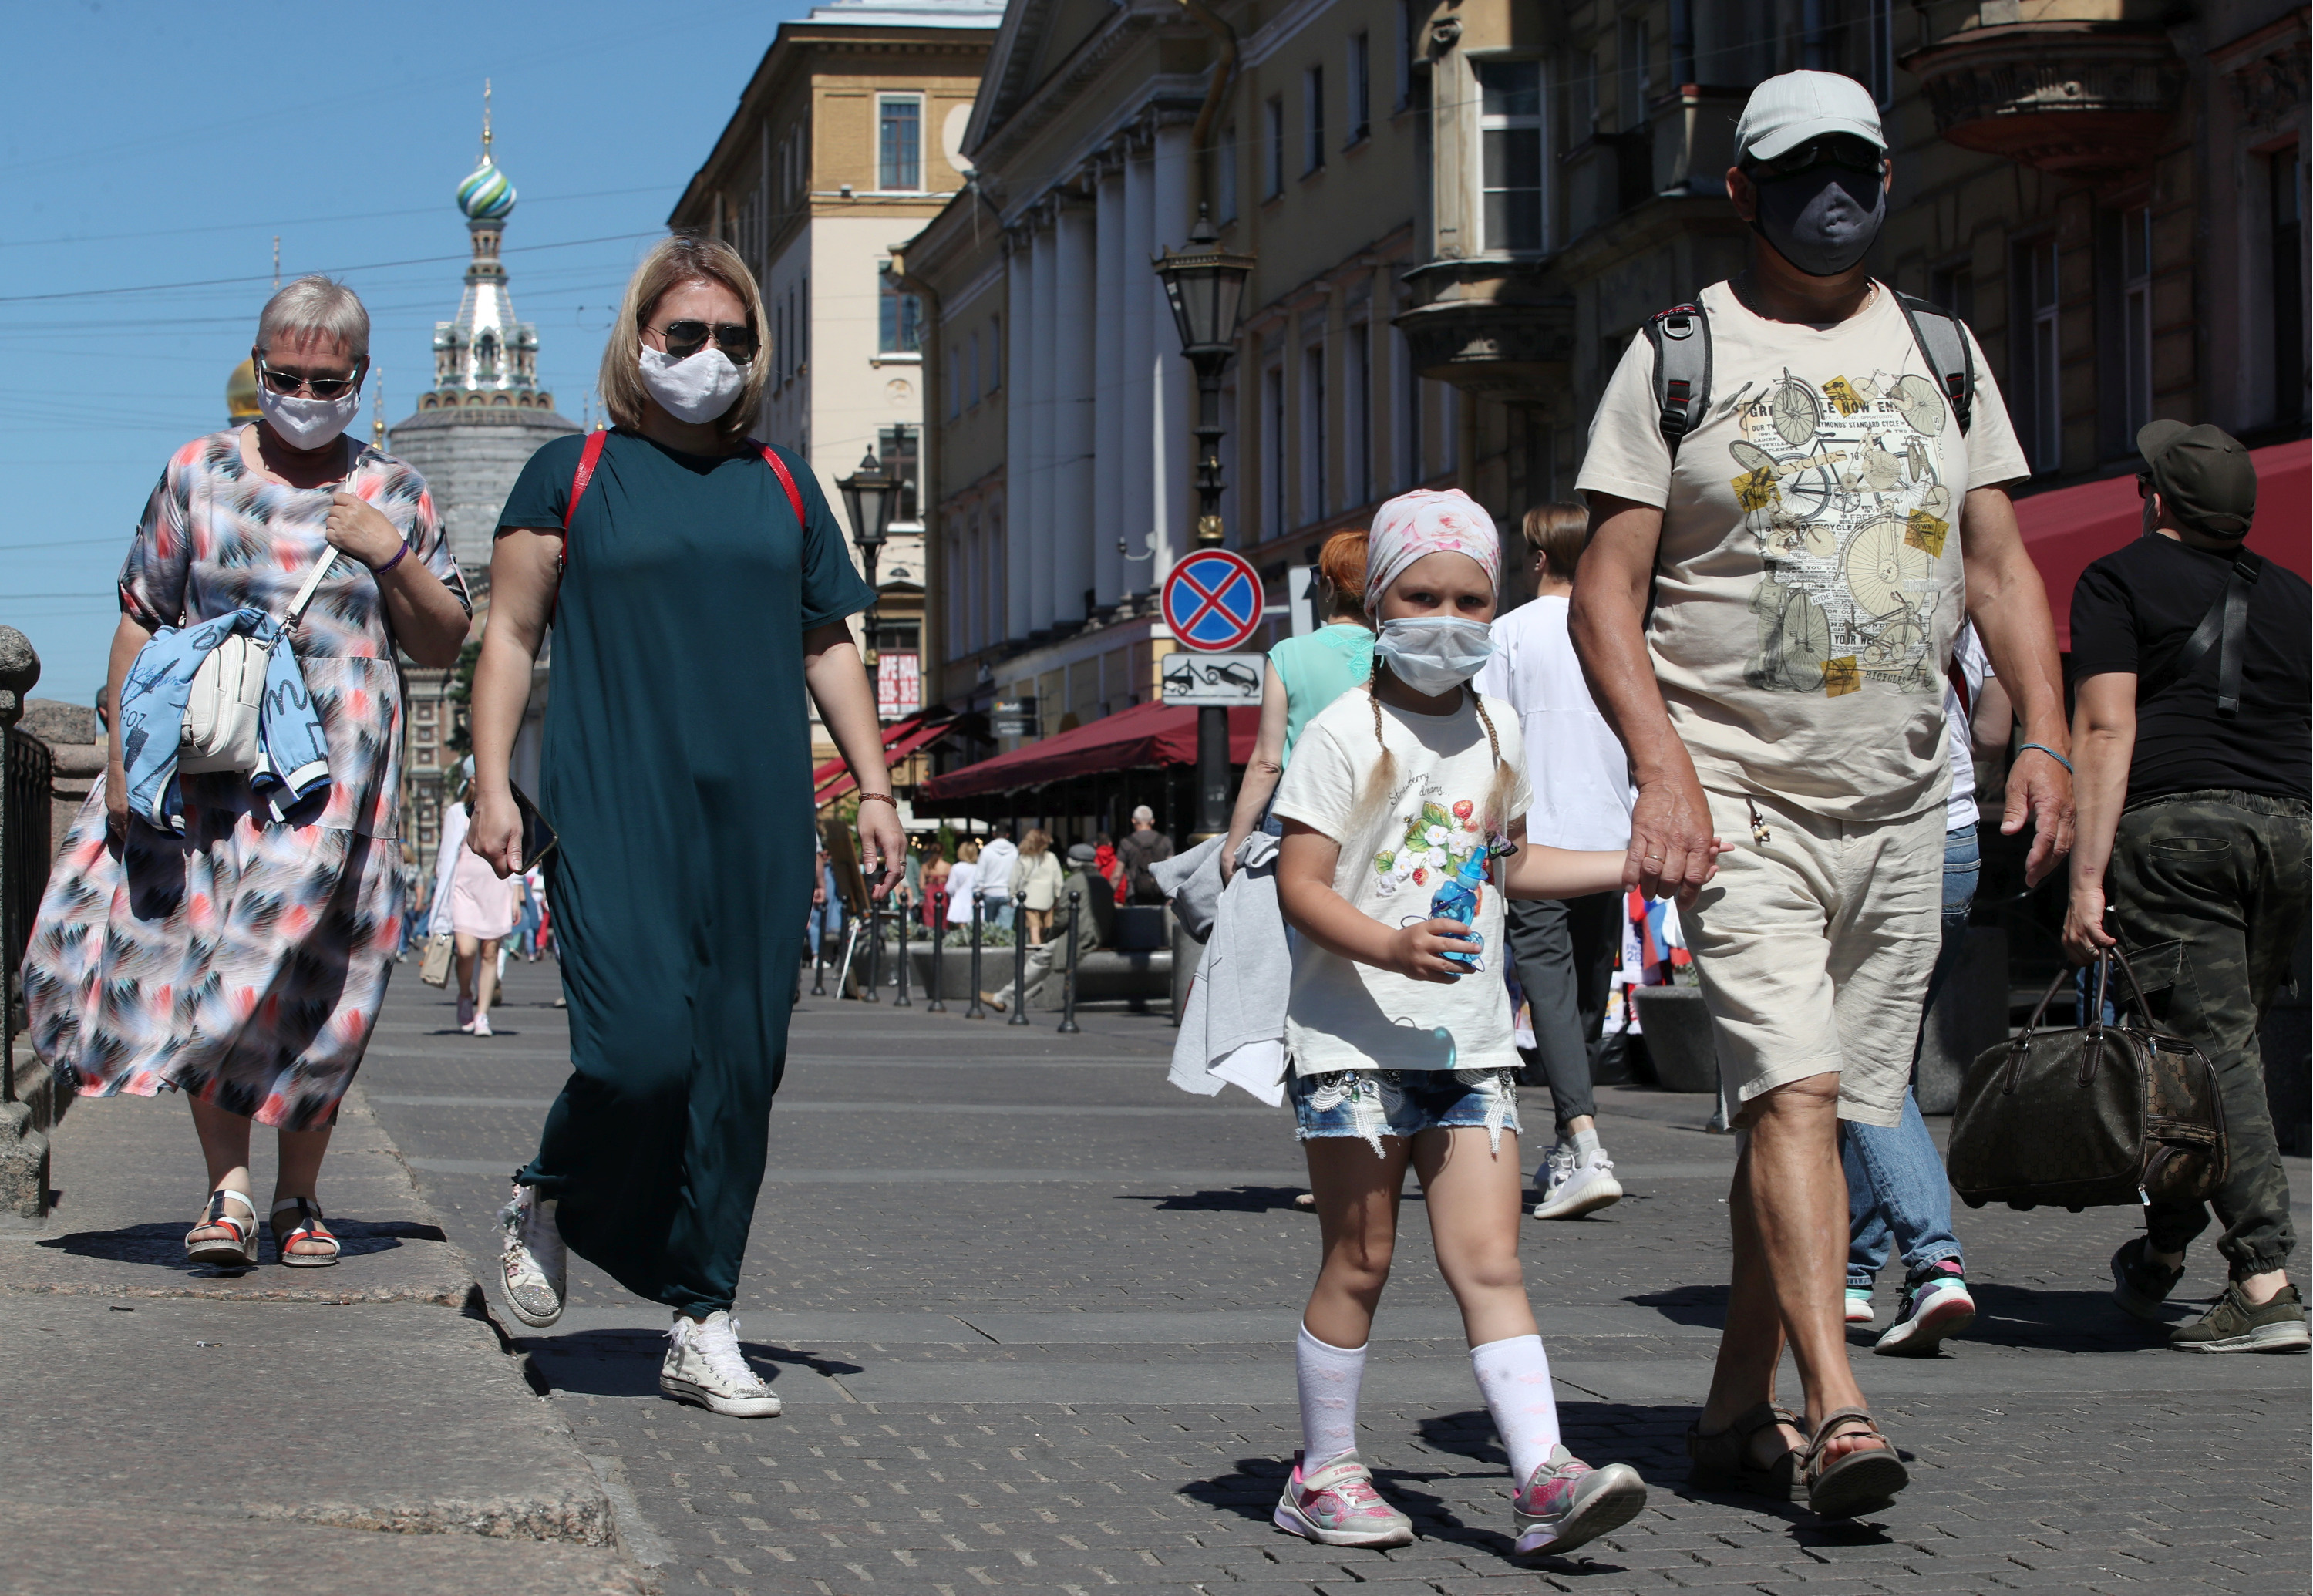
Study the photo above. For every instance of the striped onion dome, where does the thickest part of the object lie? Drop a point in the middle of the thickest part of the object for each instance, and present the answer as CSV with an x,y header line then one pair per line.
x,y
485,194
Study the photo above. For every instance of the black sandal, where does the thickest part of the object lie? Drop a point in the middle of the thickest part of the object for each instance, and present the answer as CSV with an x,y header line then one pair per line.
x,y
1722,1461
1854,1482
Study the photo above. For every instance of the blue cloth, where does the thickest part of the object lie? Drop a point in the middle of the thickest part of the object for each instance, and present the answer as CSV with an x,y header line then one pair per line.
x,y
1896,1190
293,757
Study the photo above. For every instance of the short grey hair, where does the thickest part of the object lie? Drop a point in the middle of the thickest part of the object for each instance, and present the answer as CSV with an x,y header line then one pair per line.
x,y
313,305
1144,813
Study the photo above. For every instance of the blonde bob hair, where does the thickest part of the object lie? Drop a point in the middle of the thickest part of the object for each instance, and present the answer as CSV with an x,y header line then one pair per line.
x,y
684,257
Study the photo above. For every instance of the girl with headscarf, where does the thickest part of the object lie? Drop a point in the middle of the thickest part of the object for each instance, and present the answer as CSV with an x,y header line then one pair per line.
x,y
1404,819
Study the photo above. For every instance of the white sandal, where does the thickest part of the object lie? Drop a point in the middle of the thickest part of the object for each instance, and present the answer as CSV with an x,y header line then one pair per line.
x,y
235,1251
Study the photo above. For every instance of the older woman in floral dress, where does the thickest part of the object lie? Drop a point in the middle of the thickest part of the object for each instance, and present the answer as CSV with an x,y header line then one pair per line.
x,y
242,962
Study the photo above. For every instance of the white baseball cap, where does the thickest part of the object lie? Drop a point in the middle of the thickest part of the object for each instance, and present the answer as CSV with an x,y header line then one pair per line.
x,y
1786,112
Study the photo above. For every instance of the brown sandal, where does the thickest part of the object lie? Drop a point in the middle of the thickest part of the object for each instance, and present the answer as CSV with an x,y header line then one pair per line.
x,y
1722,1461
1854,1482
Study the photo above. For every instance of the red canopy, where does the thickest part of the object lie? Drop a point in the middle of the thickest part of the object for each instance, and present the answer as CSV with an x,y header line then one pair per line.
x,y
1137,738
903,737
2070,528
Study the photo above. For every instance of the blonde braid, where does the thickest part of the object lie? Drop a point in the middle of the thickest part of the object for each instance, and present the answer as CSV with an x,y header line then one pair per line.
x,y
1505,782
1385,773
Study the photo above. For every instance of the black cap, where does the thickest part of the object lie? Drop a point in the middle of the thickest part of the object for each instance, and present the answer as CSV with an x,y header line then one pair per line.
x,y
2203,474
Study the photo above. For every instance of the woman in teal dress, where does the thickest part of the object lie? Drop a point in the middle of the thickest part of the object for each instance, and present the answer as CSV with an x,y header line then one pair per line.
x,y
692,607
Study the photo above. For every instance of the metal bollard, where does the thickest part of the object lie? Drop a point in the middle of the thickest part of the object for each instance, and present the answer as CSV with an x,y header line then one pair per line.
x,y
819,955
903,913
1069,981
1019,959
975,1012
868,992
932,1004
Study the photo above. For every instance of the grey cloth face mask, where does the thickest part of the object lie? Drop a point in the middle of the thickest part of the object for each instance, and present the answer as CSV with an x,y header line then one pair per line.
x,y
1822,219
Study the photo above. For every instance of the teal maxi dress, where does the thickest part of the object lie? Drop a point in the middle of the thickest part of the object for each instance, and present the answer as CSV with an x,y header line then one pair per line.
x,y
677,775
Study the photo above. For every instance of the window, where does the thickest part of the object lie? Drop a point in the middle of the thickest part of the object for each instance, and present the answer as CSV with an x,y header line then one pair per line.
x,y
2286,173
2135,319
1954,288
1357,400
1511,131
971,369
995,353
1312,119
1408,46
954,382
1225,176
2038,353
1275,184
1879,43
1361,85
901,321
897,448
900,144
1272,463
1406,453
1636,73
1312,432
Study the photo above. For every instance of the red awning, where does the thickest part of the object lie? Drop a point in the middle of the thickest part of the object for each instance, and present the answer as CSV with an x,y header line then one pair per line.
x,y
2068,530
903,737
1137,738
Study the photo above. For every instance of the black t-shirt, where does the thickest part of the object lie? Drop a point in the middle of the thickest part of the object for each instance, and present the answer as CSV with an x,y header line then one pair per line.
x,y
2134,609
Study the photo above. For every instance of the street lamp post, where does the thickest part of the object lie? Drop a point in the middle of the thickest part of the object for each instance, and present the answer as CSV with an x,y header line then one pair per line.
x,y
1205,286
870,495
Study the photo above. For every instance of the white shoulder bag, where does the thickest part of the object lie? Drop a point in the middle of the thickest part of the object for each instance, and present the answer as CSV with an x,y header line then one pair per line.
x,y
224,709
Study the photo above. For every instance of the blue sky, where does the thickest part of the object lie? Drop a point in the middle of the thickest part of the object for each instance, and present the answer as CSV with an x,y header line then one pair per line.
x,y
149,150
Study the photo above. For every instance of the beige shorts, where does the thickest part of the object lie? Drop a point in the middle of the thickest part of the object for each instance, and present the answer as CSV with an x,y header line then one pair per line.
x,y
1815,949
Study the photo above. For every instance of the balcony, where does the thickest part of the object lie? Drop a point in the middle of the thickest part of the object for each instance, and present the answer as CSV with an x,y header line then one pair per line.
x,y
1487,327
2083,95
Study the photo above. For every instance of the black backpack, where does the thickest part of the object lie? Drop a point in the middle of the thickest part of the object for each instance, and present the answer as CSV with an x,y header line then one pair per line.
x,y
1681,337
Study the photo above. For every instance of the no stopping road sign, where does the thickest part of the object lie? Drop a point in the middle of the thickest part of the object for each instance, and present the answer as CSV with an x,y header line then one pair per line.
x,y
1213,601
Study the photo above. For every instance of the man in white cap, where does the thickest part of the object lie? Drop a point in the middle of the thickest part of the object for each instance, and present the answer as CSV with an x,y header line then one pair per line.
x,y
1784,695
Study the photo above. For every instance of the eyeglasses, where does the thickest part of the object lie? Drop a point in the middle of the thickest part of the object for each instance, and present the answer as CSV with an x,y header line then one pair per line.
x,y
289,383
687,337
1842,150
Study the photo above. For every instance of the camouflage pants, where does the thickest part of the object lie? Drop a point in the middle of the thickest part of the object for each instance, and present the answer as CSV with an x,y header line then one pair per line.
x,y
2211,890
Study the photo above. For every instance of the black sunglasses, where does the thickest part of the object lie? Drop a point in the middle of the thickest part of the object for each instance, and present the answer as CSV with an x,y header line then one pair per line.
x,y
686,338
1842,150
288,383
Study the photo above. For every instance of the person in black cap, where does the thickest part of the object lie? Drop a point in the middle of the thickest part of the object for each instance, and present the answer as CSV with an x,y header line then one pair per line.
x,y
2193,730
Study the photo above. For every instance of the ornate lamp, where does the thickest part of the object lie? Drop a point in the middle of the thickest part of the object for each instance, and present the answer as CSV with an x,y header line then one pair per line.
x,y
870,495
1205,286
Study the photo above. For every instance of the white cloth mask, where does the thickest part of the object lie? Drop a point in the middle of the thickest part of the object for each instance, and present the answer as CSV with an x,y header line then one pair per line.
x,y
1434,654
308,423
697,390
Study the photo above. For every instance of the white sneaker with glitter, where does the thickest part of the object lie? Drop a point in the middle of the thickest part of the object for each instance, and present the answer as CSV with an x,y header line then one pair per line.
x,y
533,1266
705,1365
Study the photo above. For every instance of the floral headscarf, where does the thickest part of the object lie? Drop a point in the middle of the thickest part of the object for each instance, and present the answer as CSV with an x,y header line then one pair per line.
x,y
1427,521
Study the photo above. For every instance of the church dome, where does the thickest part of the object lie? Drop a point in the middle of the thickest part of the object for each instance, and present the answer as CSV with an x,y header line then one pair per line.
x,y
240,393
485,194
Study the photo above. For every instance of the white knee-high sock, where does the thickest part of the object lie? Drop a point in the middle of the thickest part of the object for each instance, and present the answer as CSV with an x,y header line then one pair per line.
x,y
1514,1377
1329,1377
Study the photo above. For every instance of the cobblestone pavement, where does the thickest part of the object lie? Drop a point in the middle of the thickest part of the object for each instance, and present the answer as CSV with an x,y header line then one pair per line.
x,y
1031,1310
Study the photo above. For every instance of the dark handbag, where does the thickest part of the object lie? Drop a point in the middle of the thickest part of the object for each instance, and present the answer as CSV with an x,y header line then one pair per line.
x,y
2089,1117
538,838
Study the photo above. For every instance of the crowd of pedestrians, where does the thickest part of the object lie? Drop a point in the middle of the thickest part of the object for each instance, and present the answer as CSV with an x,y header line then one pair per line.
x,y
1708,701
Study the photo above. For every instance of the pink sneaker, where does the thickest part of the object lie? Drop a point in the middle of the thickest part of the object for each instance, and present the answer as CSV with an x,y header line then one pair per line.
x,y
1339,1506
1568,1503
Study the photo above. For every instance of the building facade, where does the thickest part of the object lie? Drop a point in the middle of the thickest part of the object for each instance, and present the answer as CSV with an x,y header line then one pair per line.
x,y
843,145
470,436
1463,213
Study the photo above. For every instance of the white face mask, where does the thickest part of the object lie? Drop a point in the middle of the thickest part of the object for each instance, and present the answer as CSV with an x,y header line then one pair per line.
x,y
1434,654
308,423
697,390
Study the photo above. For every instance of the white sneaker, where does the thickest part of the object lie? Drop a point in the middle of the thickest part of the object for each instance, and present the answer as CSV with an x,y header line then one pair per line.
x,y
535,1266
1858,1305
1572,1187
705,1365
481,1027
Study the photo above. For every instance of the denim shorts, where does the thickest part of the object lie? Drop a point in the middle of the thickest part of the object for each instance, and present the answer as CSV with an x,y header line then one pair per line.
x,y
1372,1104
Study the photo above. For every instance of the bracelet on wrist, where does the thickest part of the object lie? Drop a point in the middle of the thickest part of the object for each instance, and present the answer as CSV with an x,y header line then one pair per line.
x,y
2051,753
398,556
879,798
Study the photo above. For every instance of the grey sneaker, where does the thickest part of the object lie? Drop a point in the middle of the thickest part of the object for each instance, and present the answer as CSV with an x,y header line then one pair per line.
x,y
2141,1287
1338,1506
2234,1324
705,1365
1568,1503
534,1265
1573,1186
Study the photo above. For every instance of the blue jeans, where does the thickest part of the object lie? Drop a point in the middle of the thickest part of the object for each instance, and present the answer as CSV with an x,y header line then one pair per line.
x,y
1897,1189
994,912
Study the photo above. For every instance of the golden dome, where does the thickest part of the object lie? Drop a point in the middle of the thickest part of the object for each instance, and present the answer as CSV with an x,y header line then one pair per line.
x,y
240,393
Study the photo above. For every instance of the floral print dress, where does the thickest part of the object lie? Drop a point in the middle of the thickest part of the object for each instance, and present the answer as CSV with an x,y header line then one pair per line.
x,y
244,962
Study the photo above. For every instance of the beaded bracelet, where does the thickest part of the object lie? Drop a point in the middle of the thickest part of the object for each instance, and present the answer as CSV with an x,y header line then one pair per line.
x,y
2051,753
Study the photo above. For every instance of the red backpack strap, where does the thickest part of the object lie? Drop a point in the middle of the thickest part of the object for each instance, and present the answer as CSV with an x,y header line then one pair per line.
x,y
787,479
589,456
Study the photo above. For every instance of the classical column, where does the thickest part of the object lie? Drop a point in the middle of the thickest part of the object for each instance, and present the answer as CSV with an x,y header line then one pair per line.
x,y
1173,500
1019,317
1136,383
1072,417
1108,387
1044,389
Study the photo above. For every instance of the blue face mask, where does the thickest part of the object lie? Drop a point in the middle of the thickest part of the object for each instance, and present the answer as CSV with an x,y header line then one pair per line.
x,y
1434,654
